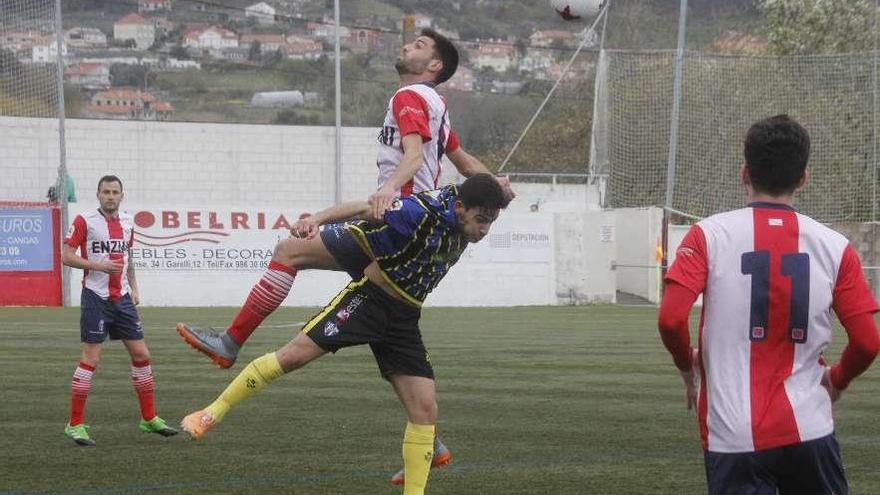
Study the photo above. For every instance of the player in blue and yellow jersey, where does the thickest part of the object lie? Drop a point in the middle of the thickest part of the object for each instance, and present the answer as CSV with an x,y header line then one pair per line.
x,y
412,248
415,136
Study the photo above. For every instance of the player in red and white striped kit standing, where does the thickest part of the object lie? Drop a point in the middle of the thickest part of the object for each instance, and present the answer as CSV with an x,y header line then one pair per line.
x,y
109,296
770,277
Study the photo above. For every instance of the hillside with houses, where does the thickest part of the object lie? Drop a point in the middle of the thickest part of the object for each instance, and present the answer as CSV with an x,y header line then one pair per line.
x,y
272,61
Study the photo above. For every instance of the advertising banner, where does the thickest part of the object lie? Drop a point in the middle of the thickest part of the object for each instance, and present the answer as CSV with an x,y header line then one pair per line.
x,y
26,240
192,240
212,256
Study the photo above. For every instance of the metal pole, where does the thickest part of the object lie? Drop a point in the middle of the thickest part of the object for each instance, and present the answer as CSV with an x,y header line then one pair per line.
x,y
676,105
338,69
61,188
673,130
874,118
600,109
589,38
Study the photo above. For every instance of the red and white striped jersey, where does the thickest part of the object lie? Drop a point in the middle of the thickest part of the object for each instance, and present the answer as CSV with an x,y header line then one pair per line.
x,y
770,278
102,238
418,109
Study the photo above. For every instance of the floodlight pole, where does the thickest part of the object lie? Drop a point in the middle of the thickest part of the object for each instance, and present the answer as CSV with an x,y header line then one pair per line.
x,y
338,97
874,101
61,186
673,131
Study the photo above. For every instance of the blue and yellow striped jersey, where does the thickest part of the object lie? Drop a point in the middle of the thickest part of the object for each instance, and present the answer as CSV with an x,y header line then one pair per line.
x,y
418,242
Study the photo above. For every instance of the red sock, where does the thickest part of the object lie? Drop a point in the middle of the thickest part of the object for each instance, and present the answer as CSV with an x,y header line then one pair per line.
x,y
142,377
264,298
79,392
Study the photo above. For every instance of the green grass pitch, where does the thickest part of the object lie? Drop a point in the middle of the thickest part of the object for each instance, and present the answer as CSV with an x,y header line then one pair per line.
x,y
563,400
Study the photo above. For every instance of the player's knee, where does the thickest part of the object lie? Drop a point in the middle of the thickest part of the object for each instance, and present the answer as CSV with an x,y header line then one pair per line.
x,y
287,252
92,356
143,355
292,358
290,361
424,411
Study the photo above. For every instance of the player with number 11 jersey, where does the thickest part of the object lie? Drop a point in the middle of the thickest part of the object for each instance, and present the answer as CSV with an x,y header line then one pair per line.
x,y
770,278
772,274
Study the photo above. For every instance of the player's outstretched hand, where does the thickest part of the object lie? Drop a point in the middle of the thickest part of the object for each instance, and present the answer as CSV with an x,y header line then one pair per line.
x,y
305,227
380,201
111,267
692,382
826,382
504,182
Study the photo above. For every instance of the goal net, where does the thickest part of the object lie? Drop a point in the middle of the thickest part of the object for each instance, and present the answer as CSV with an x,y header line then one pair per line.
x,y
834,97
33,194
28,101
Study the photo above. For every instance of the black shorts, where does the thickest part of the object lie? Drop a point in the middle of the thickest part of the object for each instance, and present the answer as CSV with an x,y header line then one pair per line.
x,y
808,468
342,245
101,317
362,313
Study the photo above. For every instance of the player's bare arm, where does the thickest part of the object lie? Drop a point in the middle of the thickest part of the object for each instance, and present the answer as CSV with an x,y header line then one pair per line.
x,y
73,260
673,322
405,171
353,210
468,165
133,284
307,226
833,392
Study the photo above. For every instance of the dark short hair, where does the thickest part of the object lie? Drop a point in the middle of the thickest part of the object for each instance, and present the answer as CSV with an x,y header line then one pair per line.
x,y
776,151
446,52
482,191
109,178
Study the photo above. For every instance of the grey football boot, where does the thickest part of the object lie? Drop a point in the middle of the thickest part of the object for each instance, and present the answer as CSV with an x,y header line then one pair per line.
x,y
218,346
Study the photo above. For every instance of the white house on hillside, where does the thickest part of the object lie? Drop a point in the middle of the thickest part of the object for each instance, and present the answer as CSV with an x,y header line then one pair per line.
x,y
137,28
214,37
46,50
302,48
153,5
90,75
267,42
262,12
85,37
496,55
326,29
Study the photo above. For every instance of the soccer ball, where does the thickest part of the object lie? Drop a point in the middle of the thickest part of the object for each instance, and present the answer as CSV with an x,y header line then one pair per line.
x,y
571,10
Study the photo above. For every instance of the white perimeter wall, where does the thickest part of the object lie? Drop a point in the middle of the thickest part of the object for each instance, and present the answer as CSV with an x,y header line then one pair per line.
x,y
185,166
638,271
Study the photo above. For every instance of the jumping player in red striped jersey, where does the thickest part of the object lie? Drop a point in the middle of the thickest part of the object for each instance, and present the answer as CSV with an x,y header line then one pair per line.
x,y
770,278
417,131
416,134
109,296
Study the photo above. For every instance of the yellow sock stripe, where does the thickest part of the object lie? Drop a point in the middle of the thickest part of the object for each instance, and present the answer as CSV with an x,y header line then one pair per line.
x,y
352,286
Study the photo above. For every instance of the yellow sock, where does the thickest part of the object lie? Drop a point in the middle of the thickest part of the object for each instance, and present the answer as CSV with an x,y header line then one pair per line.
x,y
418,451
251,380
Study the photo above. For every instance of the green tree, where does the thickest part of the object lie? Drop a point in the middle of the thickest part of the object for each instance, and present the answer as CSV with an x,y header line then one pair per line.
x,y
255,52
800,27
138,76
9,64
179,52
73,100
